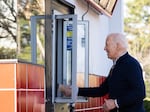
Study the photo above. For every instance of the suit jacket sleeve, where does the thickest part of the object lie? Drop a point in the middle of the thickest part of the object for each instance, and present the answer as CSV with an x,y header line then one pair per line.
x,y
94,91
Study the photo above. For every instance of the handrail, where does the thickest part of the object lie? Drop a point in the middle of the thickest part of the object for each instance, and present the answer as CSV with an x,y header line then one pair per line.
x,y
93,108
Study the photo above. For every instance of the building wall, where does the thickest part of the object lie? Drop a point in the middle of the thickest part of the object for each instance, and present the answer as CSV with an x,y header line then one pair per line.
x,y
7,87
99,27
22,88
93,104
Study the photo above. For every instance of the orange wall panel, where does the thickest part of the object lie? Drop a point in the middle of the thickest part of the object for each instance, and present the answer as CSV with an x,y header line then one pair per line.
x,y
92,102
30,88
7,101
35,77
7,75
21,75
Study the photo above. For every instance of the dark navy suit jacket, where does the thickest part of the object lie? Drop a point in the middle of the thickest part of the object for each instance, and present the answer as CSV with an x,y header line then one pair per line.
x,y
125,84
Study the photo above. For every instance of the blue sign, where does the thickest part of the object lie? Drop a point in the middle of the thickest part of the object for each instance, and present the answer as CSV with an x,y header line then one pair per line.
x,y
69,36
69,27
69,43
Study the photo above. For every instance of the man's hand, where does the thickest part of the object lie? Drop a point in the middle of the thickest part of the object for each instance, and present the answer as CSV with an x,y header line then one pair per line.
x,y
109,105
66,90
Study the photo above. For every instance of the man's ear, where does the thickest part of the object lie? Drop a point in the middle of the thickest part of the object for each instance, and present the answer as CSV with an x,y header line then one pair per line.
x,y
118,46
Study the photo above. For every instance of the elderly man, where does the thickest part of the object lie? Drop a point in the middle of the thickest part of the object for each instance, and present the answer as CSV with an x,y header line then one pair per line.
x,y
124,84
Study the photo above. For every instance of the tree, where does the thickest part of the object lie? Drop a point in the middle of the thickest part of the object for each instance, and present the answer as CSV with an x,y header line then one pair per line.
x,y
137,26
26,9
15,23
8,19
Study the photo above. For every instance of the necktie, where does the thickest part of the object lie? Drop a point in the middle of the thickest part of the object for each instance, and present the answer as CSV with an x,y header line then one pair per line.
x,y
111,70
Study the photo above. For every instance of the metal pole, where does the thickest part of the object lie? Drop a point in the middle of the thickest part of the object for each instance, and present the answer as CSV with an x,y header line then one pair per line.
x,y
49,106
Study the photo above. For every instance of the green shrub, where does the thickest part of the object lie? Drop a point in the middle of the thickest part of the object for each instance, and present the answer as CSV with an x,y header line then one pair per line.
x,y
147,99
147,104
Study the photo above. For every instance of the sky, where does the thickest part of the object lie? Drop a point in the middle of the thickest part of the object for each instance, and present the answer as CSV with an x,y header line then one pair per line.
x,y
7,43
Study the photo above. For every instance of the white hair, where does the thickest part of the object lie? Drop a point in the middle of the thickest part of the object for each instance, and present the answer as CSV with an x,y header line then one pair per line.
x,y
122,40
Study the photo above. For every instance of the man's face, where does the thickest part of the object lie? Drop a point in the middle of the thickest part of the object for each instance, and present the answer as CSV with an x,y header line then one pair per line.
x,y
111,48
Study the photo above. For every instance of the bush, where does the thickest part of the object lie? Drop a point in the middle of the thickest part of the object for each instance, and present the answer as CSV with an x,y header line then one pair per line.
x,y
147,99
147,104
7,53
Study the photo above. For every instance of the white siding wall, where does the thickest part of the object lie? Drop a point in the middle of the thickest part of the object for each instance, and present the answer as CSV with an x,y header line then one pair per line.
x,y
99,27
116,22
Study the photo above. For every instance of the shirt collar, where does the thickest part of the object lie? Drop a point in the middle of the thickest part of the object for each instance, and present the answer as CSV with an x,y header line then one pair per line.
x,y
114,61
